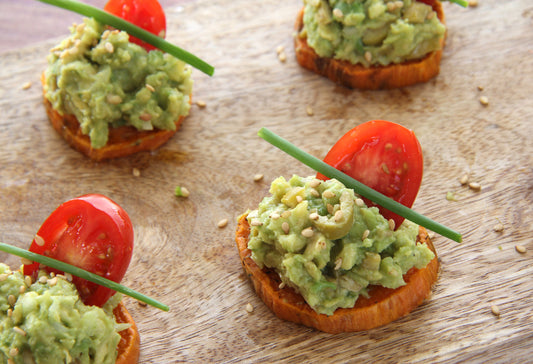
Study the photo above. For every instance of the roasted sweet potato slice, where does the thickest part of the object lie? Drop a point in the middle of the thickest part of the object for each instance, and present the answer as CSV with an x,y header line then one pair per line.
x,y
382,307
369,78
122,141
129,345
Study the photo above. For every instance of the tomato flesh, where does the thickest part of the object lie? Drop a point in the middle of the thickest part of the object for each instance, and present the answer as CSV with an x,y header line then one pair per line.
x,y
93,233
148,15
384,156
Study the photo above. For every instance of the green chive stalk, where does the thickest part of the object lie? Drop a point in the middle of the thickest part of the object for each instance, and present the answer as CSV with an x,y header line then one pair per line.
x,y
81,273
116,22
357,186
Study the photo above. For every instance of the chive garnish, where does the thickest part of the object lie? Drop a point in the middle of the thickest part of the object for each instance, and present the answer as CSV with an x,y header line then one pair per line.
x,y
109,19
463,3
78,272
357,186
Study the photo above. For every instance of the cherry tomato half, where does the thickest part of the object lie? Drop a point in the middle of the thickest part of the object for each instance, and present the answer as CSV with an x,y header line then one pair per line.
x,y
146,14
384,156
93,233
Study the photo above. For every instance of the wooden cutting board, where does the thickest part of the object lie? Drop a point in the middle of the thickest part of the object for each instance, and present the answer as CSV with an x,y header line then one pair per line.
x,y
185,260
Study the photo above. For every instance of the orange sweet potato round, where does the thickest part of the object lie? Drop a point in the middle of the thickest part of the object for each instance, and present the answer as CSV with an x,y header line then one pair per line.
x,y
383,306
369,78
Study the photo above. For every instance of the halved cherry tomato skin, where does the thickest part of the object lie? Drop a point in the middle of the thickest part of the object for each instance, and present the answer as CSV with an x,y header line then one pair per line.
x,y
146,14
93,233
384,156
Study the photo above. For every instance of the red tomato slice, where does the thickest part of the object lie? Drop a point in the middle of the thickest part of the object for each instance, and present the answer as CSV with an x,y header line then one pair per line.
x,y
93,233
384,156
146,14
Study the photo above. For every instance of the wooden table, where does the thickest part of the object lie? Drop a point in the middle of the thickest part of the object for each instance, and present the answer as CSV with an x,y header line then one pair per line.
x,y
182,258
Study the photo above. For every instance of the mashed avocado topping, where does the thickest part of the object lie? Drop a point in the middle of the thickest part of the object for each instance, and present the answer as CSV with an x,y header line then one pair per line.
x,y
328,245
372,32
97,75
46,322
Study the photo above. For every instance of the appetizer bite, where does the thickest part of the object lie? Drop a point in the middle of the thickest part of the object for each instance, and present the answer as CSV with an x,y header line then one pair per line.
x,y
109,94
54,312
369,44
321,255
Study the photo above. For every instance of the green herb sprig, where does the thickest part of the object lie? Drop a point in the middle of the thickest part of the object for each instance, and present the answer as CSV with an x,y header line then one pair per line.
x,y
109,19
463,3
357,186
78,272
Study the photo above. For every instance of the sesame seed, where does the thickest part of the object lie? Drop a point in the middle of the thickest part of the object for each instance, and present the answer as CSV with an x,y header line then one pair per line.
x,y
9,312
281,285
484,100
249,308
275,216
43,279
109,47
38,240
150,87
299,199
145,116
222,223
13,351
113,99
330,208
359,202
280,49
162,34
18,330
68,276
315,183
328,194
308,232
368,56
141,303
495,310
338,216
22,289
337,13
472,3
309,110
285,227
313,216
286,214
27,280
52,282
365,234
258,177
392,224
136,172
464,179
498,227
11,299
338,264
256,222
26,85
282,57
520,248
480,88
474,186
25,261
3,277
314,192
201,103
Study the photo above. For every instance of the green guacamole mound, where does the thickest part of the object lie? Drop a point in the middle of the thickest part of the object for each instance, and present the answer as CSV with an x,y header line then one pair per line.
x,y
326,244
105,81
47,322
372,32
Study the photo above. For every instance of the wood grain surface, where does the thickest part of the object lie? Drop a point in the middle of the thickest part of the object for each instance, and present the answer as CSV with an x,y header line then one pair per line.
x,y
183,259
